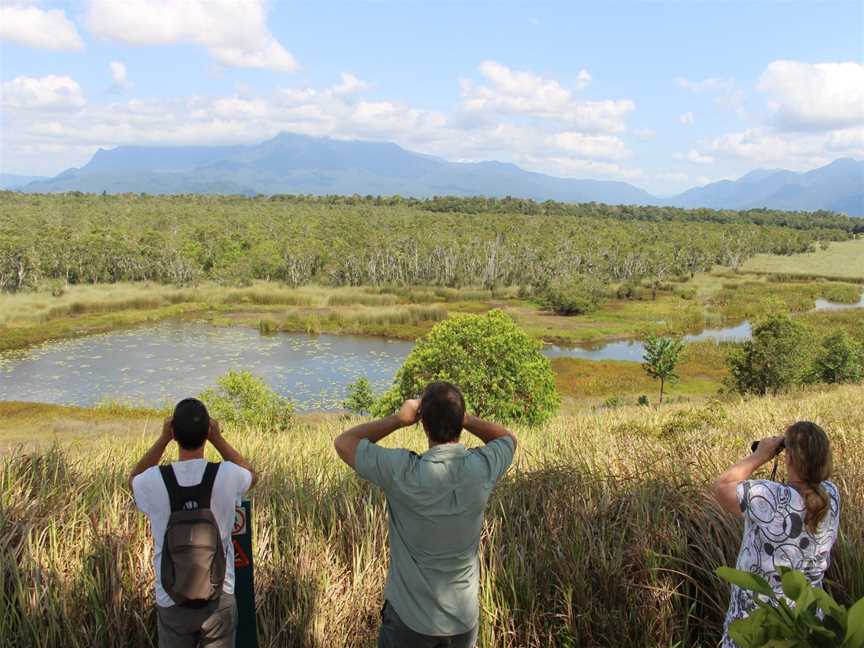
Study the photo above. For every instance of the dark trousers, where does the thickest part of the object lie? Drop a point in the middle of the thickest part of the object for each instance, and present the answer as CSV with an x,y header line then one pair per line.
x,y
395,634
214,625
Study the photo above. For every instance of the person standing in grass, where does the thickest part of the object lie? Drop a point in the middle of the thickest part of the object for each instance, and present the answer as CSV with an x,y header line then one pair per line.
x,y
190,505
436,503
785,525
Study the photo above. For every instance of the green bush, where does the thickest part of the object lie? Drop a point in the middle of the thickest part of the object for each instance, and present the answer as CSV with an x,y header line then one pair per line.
x,y
360,398
777,357
500,370
815,620
840,359
577,298
241,399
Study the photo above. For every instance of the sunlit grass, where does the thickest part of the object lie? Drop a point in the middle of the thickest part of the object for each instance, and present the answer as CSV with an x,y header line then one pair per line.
x,y
843,259
602,533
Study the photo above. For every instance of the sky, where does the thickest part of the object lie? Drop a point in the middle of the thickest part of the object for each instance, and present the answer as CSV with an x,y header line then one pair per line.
x,y
664,95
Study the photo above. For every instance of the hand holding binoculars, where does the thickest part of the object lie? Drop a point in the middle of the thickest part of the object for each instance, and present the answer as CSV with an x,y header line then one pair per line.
x,y
780,448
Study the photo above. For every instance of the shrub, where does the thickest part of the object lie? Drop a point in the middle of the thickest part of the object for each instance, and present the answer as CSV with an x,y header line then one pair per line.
x,y
360,398
815,619
630,290
242,399
840,359
577,298
643,400
500,370
777,357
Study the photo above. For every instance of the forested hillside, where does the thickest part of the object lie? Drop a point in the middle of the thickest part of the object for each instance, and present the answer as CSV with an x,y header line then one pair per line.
x,y
80,238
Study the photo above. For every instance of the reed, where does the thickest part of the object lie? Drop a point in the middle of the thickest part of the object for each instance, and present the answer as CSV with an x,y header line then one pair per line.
x,y
602,534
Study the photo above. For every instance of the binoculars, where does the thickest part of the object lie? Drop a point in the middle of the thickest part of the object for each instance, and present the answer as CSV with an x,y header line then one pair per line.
x,y
780,448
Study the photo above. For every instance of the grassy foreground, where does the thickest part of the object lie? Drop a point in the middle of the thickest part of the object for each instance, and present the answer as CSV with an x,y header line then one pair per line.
x,y
600,535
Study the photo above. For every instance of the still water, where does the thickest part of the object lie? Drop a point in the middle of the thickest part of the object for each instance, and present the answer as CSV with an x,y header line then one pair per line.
x,y
157,366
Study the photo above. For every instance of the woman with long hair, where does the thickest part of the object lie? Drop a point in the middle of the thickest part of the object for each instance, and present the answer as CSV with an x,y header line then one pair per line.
x,y
792,524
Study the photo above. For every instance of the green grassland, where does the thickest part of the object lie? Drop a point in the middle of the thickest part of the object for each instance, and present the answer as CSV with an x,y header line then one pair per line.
x,y
601,534
843,260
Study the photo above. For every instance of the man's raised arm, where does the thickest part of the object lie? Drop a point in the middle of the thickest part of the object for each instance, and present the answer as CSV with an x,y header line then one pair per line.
x,y
227,451
347,442
154,454
487,431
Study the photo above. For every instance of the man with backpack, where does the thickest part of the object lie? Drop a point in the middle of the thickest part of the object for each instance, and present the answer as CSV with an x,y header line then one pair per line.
x,y
436,502
190,505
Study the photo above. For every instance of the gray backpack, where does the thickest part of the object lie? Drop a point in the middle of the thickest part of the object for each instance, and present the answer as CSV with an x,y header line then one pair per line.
x,y
193,558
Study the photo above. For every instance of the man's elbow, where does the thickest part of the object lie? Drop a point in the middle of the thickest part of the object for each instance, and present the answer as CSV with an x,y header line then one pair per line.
x,y
513,439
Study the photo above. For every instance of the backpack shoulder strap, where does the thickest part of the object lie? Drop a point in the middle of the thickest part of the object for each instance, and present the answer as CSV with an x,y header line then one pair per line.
x,y
172,486
206,487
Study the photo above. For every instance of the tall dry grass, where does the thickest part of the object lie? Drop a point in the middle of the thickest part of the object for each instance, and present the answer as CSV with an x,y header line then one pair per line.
x,y
600,535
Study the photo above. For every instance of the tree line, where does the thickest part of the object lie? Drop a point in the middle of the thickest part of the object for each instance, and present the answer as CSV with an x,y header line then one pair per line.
x,y
82,238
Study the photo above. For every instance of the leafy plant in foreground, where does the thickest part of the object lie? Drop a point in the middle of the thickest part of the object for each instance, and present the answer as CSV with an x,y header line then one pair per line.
x,y
814,621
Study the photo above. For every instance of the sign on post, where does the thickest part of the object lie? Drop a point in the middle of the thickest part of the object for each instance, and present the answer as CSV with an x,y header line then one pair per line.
x,y
244,580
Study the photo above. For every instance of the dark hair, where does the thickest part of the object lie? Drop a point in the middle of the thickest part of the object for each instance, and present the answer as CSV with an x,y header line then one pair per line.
x,y
810,453
190,423
442,409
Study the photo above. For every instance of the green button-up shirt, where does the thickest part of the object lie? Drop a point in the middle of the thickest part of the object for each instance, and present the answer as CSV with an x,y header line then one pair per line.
x,y
435,502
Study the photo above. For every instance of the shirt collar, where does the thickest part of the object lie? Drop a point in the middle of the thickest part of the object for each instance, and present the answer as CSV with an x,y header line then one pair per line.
x,y
445,451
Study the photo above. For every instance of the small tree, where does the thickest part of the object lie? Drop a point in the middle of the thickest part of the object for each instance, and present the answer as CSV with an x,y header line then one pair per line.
x,y
661,358
777,357
815,620
840,359
243,399
500,370
360,398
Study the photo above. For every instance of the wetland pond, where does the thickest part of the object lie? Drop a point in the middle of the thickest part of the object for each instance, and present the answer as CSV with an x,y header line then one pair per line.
x,y
158,365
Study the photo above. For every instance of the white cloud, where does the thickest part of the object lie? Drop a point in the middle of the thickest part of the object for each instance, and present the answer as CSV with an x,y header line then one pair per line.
x,y
796,151
725,92
583,79
694,156
45,93
119,77
602,147
820,96
350,85
686,118
513,92
24,24
234,32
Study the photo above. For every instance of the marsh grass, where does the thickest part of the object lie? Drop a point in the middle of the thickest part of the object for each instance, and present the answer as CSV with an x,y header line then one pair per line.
x,y
600,535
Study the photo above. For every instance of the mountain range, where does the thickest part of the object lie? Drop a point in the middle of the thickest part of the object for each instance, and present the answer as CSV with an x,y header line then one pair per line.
x,y
300,164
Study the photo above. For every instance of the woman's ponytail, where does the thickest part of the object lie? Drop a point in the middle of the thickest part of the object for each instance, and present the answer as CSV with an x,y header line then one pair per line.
x,y
816,500
810,454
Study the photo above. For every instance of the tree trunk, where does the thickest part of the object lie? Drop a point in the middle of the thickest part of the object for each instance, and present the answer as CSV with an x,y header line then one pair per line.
x,y
661,390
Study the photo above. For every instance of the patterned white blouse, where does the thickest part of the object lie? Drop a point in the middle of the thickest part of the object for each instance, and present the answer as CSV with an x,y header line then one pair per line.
x,y
775,536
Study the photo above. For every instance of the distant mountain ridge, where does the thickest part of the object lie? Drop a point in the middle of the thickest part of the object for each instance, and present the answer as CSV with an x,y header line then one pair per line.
x,y
301,164
838,186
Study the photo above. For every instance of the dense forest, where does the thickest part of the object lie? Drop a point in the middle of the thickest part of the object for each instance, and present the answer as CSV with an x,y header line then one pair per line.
x,y
81,238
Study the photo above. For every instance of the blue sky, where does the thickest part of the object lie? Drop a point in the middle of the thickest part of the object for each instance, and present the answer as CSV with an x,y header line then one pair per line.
x,y
665,95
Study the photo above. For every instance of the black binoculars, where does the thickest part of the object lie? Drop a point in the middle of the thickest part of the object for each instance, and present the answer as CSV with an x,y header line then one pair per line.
x,y
780,448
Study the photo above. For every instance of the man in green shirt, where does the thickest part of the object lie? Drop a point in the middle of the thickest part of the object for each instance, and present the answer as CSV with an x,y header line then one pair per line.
x,y
436,503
